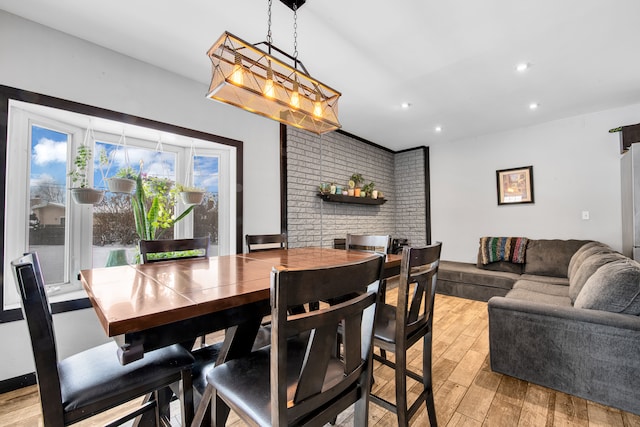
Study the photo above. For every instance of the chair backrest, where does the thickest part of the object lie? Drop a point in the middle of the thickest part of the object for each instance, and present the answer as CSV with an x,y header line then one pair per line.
x,y
326,382
265,242
169,249
340,243
368,243
417,290
37,312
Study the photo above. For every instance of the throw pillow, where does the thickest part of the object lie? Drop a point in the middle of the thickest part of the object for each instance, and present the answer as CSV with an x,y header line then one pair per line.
x,y
614,287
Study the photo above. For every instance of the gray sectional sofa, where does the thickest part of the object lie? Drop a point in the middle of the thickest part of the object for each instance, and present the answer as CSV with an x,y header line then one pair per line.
x,y
573,326
545,260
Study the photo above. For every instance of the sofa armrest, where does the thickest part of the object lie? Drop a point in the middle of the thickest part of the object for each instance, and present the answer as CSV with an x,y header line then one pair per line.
x,y
587,353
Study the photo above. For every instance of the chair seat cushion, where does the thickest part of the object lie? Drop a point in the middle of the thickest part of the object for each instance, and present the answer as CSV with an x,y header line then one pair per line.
x,y
96,375
246,382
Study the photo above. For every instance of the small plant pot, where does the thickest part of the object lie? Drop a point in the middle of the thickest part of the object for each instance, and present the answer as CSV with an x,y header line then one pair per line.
x,y
121,185
87,196
374,194
192,197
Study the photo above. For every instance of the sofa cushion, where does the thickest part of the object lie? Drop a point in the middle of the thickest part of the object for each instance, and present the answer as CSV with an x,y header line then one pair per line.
x,y
589,266
546,279
583,253
614,287
540,297
463,272
542,287
550,257
505,266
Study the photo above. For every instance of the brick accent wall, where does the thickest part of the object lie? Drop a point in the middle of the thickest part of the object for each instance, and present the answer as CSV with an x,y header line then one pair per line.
x,y
334,157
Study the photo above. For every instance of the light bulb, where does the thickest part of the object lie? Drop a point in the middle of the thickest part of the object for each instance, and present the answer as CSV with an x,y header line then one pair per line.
x,y
236,75
295,96
269,88
317,106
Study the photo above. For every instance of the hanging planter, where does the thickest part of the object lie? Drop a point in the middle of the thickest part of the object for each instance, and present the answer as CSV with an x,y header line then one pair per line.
x,y
192,196
121,185
83,193
87,196
124,180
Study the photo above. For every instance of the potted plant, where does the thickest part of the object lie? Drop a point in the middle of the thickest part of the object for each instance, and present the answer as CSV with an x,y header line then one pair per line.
x,y
124,181
190,195
357,181
367,190
81,192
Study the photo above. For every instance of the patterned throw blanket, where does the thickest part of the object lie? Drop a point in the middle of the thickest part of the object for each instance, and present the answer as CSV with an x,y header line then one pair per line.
x,y
495,249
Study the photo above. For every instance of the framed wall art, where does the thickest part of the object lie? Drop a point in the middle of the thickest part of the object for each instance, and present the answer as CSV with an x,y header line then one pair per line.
x,y
515,185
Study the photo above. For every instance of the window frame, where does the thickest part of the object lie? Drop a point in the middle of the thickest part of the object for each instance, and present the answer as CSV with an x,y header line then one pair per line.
x,y
7,94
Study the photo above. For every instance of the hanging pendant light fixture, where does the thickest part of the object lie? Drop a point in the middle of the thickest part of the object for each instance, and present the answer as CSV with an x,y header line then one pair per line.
x,y
248,77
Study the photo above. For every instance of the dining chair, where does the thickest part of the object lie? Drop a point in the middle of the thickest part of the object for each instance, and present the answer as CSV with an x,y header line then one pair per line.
x,y
398,327
93,381
175,249
370,243
297,379
171,249
265,242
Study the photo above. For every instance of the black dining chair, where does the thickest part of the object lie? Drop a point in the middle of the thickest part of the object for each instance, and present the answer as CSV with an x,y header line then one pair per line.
x,y
370,243
174,249
298,380
93,381
398,327
171,249
265,242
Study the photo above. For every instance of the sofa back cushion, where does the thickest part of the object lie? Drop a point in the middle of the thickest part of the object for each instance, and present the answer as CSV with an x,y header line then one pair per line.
x,y
550,257
589,266
585,251
614,287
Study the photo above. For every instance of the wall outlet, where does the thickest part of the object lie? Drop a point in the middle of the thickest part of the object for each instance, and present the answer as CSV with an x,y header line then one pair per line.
x,y
585,214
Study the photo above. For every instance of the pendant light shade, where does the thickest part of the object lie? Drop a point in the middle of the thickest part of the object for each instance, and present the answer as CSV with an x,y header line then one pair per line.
x,y
252,79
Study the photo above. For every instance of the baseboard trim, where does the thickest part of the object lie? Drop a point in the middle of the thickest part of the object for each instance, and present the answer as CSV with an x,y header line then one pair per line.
x,y
16,383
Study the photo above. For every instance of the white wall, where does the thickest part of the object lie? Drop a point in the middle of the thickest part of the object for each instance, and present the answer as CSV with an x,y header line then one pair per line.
x,y
42,60
576,167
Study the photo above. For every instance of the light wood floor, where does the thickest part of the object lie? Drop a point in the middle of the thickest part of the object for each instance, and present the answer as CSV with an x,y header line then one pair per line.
x,y
467,392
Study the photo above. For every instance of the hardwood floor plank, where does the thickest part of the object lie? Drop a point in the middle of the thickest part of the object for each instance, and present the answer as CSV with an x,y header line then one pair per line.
x,y
602,416
466,370
477,401
570,410
459,420
535,407
502,414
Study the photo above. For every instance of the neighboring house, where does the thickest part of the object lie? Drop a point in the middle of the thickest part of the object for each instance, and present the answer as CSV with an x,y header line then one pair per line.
x,y
49,213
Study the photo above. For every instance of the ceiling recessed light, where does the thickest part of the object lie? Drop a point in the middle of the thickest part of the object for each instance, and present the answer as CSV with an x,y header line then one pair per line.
x,y
522,67
438,129
534,106
405,105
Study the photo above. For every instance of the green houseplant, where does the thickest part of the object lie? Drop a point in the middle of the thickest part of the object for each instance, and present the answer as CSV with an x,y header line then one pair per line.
x,y
153,207
82,193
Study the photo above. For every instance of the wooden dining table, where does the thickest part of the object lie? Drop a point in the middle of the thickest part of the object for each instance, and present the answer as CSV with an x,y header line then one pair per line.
x,y
148,306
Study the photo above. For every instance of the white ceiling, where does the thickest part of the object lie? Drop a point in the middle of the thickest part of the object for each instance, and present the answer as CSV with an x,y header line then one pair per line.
x,y
453,61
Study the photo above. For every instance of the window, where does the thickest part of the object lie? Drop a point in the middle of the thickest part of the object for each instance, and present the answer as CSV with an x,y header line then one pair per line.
x,y
41,216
